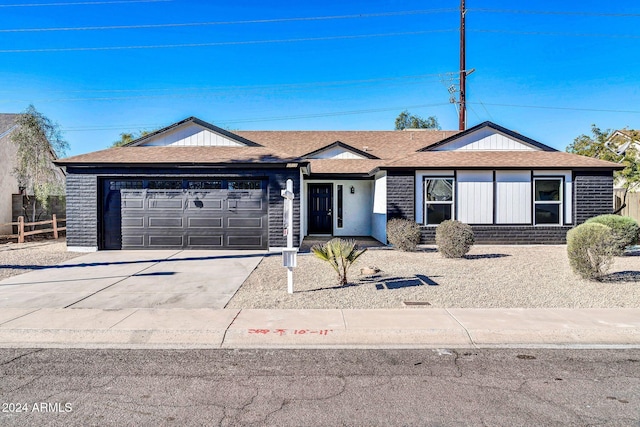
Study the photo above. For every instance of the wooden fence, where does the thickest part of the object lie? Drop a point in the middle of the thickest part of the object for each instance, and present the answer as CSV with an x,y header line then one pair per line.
x,y
22,225
633,203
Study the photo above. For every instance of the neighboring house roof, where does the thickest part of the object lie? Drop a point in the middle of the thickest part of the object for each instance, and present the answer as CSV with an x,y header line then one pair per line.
x,y
179,155
7,124
500,159
629,133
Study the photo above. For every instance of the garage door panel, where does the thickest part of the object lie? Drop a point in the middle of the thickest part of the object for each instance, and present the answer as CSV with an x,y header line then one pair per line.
x,y
132,241
155,222
181,219
130,222
255,223
133,203
244,241
156,204
165,241
213,222
205,204
244,205
206,241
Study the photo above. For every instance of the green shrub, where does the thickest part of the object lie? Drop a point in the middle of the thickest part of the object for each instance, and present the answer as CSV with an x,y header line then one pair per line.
x,y
403,234
340,254
454,238
624,230
590,250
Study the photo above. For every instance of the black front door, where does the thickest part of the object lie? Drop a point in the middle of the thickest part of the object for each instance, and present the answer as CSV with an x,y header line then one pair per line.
x,y
320,203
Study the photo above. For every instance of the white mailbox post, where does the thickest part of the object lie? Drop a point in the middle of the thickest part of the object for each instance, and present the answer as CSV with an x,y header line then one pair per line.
x,y
290,254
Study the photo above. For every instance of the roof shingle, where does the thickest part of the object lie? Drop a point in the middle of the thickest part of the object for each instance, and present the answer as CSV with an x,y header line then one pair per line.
x,y
180,155
500,159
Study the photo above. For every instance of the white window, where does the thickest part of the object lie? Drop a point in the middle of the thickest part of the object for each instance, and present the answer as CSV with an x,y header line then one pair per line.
x,y
438,200
547,201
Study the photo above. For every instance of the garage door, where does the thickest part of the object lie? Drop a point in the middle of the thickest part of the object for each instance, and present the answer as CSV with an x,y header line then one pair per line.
x,y
234,218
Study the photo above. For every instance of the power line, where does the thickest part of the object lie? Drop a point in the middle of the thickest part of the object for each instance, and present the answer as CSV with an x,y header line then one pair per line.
x,y
231,43
266,119
200,91
252,21
306,39
84,3
545,107
551,12
544,33
341,113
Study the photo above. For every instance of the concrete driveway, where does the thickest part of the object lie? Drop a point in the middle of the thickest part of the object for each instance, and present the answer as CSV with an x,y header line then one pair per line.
x,y
133,279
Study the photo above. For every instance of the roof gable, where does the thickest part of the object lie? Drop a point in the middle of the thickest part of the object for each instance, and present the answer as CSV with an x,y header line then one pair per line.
x,y
193,132
339,150
7,124
488,136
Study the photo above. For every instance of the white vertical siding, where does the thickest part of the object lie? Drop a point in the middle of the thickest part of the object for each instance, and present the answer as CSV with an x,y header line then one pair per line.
x,y
475,197
513,197
337,153
379,215
486,139
192,135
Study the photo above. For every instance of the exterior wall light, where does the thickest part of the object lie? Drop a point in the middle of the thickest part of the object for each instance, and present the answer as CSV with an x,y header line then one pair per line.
x,y
353,190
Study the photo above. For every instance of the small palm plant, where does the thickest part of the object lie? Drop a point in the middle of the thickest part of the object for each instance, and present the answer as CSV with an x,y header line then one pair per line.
x,y
340,254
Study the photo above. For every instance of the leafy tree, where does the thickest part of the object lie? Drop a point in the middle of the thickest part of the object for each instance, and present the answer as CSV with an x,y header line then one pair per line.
x,y
603,146
406,120
39,142
126,138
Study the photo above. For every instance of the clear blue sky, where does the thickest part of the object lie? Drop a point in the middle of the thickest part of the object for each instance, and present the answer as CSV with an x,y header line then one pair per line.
x,y
312,74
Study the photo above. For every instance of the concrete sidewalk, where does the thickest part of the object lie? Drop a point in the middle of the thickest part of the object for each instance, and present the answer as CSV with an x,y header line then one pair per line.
x,y
400,328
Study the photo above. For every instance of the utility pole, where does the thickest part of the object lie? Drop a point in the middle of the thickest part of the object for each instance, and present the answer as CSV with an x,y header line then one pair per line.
x,y
462,112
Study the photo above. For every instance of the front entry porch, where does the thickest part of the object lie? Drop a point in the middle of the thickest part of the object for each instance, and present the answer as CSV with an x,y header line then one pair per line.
x,y
337,207
361,241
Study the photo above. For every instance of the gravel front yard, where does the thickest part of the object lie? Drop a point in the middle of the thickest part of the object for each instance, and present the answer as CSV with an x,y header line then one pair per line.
x,y
490,276
21,258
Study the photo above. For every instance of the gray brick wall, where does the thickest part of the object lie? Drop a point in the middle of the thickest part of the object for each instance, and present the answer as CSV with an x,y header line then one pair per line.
x,y
593,195
82,210
277,182
508,235
400,195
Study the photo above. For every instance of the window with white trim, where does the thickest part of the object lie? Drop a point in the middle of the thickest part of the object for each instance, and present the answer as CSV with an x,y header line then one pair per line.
x,y
547,201
438,200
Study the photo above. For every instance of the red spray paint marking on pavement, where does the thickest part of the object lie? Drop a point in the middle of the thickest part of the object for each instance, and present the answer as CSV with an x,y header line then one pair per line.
x,y
281,332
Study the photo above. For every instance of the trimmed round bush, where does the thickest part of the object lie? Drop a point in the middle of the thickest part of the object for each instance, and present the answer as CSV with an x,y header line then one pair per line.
x,y
624,230
454,238
403,234
590,250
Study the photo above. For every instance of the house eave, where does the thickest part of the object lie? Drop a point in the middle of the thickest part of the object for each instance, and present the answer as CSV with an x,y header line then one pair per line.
x,y
186,165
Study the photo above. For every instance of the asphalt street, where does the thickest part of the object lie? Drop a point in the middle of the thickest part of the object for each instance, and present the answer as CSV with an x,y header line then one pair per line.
x,y
506,387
